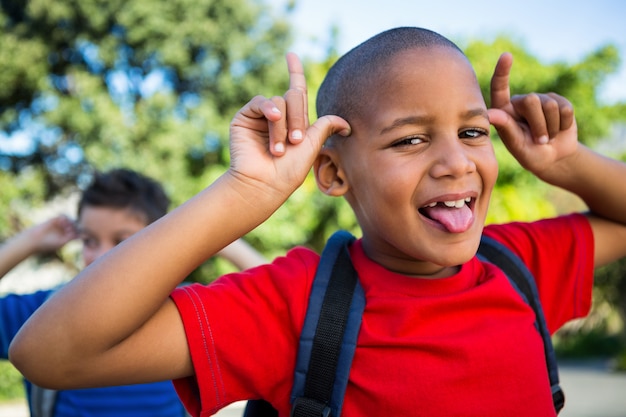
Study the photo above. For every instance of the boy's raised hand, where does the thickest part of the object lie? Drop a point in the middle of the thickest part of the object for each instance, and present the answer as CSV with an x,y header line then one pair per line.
x,y
271,141
53,234
46,237
538,129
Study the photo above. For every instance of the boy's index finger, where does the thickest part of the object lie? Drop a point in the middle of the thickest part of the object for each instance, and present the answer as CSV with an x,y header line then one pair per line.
x,y
296,99
297,80
500,90
296,73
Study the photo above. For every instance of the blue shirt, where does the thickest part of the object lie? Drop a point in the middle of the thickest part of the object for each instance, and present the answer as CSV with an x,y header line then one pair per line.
x,y
150,400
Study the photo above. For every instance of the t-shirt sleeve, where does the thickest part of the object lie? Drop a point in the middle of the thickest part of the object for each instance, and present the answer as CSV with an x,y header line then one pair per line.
x,y
241,331
15,309
560,254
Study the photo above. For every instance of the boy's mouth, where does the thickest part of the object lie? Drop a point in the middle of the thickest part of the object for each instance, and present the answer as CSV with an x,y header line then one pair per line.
x,y
455,215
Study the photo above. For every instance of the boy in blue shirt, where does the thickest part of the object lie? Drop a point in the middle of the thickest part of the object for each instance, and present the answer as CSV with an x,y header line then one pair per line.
x,y
116,205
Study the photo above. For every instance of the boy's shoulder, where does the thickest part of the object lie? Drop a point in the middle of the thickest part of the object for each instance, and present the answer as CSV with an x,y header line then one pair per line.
x,y
520,236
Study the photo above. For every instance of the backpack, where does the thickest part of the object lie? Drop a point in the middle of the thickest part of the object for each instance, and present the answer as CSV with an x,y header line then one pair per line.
x,y
333,319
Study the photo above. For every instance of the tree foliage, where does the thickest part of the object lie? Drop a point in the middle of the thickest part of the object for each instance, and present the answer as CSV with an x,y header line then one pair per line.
x,y
96,84
151,85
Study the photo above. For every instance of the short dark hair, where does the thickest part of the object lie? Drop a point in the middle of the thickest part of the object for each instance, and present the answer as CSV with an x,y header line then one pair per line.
x,y
342,92
125,188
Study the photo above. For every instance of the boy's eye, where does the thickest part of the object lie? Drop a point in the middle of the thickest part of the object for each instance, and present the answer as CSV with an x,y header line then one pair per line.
x,y
89,242
409,141
472,133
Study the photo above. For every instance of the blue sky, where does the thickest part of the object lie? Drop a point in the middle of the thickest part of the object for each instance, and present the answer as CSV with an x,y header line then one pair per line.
x,y
553,30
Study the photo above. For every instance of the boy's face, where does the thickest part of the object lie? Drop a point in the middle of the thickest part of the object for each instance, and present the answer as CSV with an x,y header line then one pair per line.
x,y
102,228
423,141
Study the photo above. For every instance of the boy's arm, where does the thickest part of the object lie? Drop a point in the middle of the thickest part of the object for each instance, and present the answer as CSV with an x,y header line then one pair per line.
x,y
115,323
48,236
540,131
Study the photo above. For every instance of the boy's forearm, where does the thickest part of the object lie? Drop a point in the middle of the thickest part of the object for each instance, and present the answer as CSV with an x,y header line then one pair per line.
x,y
598,180
129,284
13,251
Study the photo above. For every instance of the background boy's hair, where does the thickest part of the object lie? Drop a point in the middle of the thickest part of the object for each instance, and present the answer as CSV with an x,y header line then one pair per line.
x,y
343,91
126,189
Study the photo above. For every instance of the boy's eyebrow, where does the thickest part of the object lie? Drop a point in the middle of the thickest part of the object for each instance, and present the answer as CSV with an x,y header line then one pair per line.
x,y
415,120
403,121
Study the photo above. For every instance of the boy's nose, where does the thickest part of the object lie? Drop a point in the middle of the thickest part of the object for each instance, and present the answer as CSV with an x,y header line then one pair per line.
x,y
451,158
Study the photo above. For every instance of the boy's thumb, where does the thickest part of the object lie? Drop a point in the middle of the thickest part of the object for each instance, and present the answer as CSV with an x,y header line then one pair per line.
x,y
327,126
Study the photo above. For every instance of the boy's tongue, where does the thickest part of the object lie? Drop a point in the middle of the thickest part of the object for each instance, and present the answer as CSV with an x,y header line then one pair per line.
x,y
456,220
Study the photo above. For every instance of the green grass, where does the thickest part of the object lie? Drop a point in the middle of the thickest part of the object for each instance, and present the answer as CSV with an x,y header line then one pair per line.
x,y
11,382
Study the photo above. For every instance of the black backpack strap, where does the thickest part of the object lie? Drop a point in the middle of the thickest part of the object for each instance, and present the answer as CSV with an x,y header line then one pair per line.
x,y
523,281
328,338
259,408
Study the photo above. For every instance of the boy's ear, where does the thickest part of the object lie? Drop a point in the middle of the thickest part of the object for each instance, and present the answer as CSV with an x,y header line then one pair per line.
x,y
329,175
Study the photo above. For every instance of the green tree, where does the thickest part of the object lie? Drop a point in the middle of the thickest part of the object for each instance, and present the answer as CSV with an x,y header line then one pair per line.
x,y
139,83
153,86
145,84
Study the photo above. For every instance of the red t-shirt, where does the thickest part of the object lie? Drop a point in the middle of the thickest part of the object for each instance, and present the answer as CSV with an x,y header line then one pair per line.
x,y
458,346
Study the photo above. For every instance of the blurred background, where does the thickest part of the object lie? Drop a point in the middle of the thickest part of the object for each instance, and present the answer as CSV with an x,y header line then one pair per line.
x,y
152,85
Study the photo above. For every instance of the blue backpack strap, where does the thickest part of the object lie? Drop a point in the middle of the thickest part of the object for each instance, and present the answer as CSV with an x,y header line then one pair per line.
x,y
42,401
329,336
521,278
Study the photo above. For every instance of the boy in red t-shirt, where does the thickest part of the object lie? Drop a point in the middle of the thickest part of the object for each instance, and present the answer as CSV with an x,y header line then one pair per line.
x,y
406,134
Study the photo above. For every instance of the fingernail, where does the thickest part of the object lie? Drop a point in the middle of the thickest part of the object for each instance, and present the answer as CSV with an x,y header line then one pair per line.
x,y
543,140
279,147
296,134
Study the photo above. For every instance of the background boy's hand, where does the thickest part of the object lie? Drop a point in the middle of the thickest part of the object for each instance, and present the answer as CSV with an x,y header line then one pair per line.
x,y
46,237
271,141
52,234
538,129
